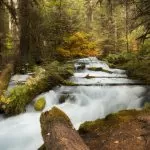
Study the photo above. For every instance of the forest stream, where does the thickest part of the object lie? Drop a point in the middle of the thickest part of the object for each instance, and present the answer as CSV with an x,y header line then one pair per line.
x,y
98,90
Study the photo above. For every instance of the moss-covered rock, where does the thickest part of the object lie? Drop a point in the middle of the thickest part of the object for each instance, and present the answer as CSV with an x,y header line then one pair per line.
x,y
40,104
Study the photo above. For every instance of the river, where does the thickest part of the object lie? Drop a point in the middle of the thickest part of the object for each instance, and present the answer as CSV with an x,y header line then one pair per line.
x,y
96,94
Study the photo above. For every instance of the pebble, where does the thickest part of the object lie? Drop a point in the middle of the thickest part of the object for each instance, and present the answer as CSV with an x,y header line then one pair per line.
x,y
116,142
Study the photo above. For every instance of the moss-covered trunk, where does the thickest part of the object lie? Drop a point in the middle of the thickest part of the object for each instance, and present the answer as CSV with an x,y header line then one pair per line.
x,y
5,77
58,132
54,74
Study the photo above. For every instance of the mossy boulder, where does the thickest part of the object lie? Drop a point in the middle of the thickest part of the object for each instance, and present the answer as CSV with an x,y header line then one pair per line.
x,y
40,104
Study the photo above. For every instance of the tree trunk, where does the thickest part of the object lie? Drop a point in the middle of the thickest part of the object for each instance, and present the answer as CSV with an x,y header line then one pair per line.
x,y
24,30
127,16
89,14
4,27
58,132
5,77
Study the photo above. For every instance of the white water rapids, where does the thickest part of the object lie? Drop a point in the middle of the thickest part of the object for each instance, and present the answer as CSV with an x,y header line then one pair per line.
x,y
83,103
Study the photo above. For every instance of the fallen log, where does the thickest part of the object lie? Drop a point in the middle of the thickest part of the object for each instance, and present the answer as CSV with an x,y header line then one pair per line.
x,y
58,132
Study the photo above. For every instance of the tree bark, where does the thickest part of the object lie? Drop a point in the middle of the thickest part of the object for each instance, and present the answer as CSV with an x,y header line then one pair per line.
x,y
24,30
5,77
58,132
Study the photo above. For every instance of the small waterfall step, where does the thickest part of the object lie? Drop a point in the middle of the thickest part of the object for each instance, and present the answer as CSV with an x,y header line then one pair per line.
x,y
110,84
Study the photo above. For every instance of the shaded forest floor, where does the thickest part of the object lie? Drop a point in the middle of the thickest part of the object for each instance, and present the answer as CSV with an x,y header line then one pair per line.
x,y
125,130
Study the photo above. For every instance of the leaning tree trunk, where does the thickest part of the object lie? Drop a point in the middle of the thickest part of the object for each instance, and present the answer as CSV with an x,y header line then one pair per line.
x,y
4,28
5,77
58,132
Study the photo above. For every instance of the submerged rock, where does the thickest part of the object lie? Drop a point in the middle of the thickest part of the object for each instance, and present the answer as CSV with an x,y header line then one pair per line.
x,y
63,98
99,69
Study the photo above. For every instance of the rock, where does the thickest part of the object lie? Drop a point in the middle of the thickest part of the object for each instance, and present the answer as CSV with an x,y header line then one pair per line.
x,y
40,104
116,142
63,98
81,67
99,69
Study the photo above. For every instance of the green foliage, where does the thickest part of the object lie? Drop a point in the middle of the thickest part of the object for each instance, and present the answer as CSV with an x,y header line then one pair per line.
x,y
145,49
60,19
52,75
40,104
136,64
120,58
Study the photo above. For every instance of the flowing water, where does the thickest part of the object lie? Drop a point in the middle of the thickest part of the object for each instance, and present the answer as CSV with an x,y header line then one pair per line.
x,y
91,98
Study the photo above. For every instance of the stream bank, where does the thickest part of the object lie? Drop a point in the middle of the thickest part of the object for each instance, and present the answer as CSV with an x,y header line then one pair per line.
x,y
136,65
17,97
81,103
128,129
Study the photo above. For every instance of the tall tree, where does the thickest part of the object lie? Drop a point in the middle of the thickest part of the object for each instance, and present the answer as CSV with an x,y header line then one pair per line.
x,y
4,27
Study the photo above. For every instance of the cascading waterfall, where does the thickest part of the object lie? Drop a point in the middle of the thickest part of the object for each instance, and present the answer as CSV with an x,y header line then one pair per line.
x,y
82,103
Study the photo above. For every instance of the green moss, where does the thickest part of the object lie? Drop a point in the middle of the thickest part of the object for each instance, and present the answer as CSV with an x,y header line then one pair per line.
x,y
40,104
53,74
54,115
99,69
111,121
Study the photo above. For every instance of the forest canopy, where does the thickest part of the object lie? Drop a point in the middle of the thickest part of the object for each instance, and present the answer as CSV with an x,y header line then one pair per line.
x,y
32,31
